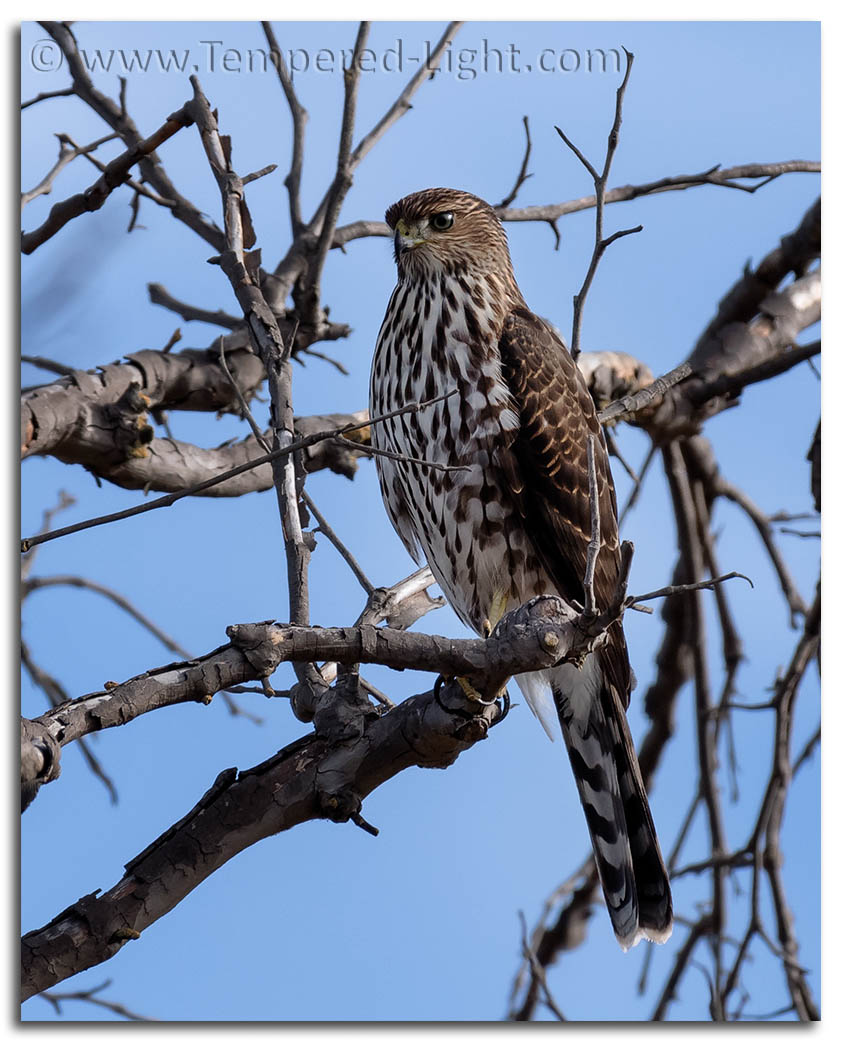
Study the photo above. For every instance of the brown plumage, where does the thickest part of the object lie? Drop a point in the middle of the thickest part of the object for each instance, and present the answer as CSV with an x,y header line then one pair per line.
x,y
516,522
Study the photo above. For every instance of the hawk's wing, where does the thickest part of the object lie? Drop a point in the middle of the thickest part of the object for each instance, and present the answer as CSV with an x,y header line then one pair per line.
x,y
397,503
547,470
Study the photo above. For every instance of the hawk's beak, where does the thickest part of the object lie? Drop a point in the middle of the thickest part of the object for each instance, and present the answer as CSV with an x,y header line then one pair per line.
x,y
406,237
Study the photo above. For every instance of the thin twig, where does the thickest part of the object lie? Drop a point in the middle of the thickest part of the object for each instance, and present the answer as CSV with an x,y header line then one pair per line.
x,y
91,996
292,181
342,181
595,541
66,155
678,183
402,103
115,115
159,295
296,262
116,172
635,492
522,173
632,403
600,180
248,415
342,549
447,468
702,584
136,186
538,970
64,502
722,487
46,95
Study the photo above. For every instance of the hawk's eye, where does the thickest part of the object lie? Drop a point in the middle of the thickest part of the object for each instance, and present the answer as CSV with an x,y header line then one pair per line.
x,y
442,221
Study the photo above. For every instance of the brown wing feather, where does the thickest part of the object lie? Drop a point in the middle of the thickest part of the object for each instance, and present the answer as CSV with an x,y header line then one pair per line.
x,y
547,469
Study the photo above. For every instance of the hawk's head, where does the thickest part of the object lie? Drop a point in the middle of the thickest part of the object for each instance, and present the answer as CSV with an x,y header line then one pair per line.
x,y
443,230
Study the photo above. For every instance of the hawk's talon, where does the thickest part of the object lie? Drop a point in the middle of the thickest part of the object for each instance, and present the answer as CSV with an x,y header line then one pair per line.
x,y
471,692
506,705
441,679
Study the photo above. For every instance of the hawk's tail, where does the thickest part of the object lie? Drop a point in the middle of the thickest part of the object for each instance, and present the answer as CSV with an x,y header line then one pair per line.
x,y
631,869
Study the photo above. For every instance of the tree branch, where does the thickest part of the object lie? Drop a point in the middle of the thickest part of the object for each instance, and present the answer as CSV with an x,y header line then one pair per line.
x,y
116,173
66,154
118,119
600,180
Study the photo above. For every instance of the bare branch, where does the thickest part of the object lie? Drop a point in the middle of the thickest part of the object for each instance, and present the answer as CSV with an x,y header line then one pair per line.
x,y
342,549
595,542
715,176
159,295
307,298
601,244
43,582
64,501
630,404
724,488
402,103
553,212
57,695
522,176
165,501
115,174
310,243
118,119
702,584
46,95
717,370
273,797
91,996
299,123
538,971
796,252
136,186
66,155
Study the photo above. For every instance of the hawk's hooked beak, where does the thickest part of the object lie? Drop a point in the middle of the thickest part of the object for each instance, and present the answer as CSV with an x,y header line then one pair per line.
x,y
406,237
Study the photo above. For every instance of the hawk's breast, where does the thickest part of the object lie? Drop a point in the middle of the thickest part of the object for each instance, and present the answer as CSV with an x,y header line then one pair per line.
x,y
441,336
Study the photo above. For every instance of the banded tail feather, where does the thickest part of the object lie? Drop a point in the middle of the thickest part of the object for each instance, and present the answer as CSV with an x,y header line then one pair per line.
x,y
631,869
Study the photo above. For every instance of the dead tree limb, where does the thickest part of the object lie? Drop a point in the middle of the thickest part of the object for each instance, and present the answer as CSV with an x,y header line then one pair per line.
x,y
115,174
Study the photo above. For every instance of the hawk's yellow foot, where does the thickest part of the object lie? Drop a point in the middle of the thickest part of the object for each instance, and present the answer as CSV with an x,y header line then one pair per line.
x,y
497,611
472,694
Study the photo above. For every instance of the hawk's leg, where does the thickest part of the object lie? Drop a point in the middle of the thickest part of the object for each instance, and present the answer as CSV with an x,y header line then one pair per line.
x,y
497,611
472,694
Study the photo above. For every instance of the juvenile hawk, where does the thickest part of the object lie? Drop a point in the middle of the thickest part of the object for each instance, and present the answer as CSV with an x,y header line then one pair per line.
x,y
516,522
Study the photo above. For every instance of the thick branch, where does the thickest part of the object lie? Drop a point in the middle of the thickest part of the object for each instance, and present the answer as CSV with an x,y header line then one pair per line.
x,y
79,416
310,779
739,354
796,252
533,637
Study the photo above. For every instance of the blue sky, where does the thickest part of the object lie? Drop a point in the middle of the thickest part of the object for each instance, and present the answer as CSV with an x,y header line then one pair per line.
x,y
426,914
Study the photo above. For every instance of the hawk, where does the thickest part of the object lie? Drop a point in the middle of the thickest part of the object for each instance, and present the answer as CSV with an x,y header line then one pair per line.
x,y
515,521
